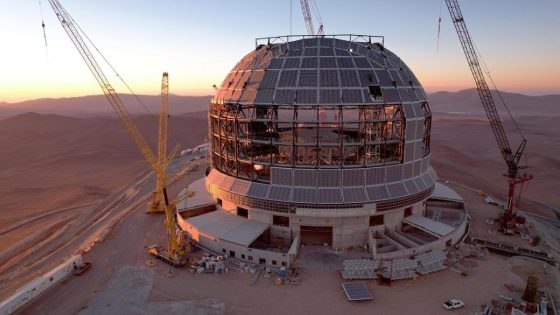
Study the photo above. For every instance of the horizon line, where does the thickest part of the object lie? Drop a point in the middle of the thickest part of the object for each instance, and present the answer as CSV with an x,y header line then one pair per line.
x,y
209,95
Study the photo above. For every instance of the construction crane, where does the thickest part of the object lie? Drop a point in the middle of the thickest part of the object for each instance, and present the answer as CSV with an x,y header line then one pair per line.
x,y
175,250
309,20
512,159
157,204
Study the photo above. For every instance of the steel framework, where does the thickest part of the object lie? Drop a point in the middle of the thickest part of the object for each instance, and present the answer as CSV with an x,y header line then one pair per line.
x,y
286,39
248,139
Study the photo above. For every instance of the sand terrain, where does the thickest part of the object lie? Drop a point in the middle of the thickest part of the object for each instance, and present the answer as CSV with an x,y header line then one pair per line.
x,y
51,162
463,149
60,176
48,245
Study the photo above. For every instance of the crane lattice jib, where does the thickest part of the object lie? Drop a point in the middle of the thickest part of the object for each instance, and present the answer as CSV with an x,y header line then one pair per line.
x,y
483,90
162,135
113,98
307,17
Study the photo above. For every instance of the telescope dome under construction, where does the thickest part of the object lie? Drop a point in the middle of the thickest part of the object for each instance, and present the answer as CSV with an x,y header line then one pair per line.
x,y
313,121
323,140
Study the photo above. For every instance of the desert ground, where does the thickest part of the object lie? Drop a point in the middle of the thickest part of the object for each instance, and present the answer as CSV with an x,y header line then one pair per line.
x,y
123,281
464,150
60,177
60,170
51,162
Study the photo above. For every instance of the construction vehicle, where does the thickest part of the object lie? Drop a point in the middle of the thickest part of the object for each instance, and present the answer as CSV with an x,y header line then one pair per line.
x,y
175,249
512,159
309,20
157,204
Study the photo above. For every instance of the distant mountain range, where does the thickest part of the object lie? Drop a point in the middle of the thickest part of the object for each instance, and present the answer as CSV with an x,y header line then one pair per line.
x,y
464,101
97,105
468,101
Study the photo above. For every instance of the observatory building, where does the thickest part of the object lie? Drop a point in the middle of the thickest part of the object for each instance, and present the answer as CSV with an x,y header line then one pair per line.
x,y
323,140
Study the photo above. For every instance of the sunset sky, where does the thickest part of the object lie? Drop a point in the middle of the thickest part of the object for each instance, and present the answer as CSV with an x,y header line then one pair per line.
x,y
198,42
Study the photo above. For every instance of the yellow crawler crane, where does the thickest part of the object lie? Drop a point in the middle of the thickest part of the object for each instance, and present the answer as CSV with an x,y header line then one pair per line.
x,y
157,204
175,250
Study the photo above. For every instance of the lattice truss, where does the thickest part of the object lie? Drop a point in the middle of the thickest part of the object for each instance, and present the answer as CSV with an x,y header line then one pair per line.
x,y
248,139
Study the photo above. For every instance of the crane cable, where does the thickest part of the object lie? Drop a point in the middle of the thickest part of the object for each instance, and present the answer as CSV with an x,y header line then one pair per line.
x,y
497,91
44,30
524,187
291,17
316,12
439,25
108,63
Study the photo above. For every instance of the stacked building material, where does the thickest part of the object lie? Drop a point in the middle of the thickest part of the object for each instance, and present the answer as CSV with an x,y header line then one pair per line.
x,y
403,268
359,269
397,269
430,262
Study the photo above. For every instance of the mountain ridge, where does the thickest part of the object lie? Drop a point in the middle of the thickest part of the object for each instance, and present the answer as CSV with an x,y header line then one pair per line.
x,y
463,101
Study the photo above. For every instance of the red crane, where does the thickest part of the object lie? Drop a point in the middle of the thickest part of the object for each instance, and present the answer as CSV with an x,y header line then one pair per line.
x,y
511,158
309,20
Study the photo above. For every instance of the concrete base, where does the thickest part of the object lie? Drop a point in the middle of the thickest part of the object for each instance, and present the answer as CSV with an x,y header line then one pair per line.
x,y
349,228
340,229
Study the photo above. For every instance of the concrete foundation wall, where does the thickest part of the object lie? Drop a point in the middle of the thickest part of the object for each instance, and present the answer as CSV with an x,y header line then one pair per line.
x,y
260,216
440,244
350,227
243,253
34,288
280,235
348,231
229,206
246,254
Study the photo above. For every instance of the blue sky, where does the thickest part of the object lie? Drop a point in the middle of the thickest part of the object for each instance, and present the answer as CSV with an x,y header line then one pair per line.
x,y
198,42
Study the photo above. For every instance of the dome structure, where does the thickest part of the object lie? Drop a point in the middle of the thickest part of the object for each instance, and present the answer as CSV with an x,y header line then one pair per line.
x,y
324,140
320,122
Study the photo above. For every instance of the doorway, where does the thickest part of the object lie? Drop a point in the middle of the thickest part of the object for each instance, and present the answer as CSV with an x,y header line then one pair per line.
x,y
316,235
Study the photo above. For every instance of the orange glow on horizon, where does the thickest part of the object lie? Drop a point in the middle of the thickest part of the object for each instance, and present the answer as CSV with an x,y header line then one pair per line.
x,y
80,83
18,93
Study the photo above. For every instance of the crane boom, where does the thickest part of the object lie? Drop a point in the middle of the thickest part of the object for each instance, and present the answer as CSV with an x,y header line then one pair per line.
x,y
157,205
307,17
174,248
163,115
511,159
113,98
